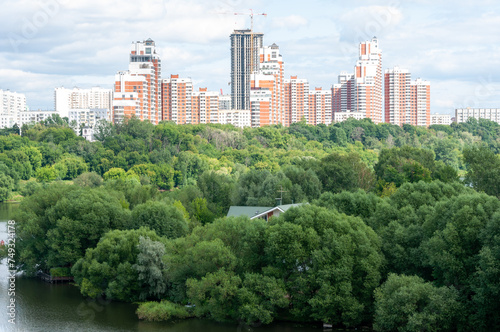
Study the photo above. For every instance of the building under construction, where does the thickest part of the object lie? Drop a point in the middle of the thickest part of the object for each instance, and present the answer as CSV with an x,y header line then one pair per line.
x,y
245,48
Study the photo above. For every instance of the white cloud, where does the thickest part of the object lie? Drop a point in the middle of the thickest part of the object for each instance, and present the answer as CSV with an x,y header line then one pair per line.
x,y
363,23
291,22
454,44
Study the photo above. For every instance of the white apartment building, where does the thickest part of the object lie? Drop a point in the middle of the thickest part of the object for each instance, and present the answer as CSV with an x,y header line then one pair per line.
x,y
271,63
238,118
33,116
420,101
342,116
205,106
129,97
406,101
177,95
140,85
367,81
440,119
11,104
260,105
463,114
296,100
225,102
77,98
320,106
87,119
343,92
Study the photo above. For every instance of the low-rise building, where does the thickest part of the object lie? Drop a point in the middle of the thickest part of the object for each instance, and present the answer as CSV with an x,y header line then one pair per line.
x,y
440,119
237,118
342,116
463,114
33,116
264,212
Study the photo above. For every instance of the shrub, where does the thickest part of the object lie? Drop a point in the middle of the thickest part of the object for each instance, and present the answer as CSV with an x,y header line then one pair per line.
x,y
162,311
60,272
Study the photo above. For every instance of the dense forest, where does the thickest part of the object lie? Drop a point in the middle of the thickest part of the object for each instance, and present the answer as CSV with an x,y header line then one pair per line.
x,y
399,230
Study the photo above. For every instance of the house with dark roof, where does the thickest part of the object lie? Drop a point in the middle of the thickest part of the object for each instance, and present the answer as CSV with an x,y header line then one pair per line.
x,y
263,212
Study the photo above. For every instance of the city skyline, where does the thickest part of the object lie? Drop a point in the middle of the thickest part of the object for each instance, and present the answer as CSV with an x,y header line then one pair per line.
x,y
84,45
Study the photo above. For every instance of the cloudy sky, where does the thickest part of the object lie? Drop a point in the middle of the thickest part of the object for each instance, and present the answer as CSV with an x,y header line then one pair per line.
x,y
51,43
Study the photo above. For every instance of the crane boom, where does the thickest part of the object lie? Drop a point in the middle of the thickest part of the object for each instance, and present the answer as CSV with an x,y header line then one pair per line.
x,y
251,35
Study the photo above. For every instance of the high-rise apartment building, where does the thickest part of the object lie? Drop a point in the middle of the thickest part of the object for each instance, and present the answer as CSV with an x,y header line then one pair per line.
x,y
361,91
262,95
406,101
260,106
320,106
11,104
296,100
397,96
66,100
420,102
245,59
342,93
129,98
271,63
205,106
177,97
137,91
367,88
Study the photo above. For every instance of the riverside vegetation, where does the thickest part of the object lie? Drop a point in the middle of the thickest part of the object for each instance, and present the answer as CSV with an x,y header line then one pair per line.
x,y
401,233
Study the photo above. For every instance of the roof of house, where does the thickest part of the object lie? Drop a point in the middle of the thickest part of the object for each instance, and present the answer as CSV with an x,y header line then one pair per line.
x,y
257,211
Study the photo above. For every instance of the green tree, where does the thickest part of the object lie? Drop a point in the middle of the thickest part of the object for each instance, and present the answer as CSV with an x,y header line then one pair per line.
x,y
151,268
188,257
34,155
483,170
215,295
46,174
454,242
260,298
407,303
217,190
307,181
330,263
244,237
345,172
405,164
486,282
88,179
201,212
56,225
70,167
109,269
114,173
165,219
6,186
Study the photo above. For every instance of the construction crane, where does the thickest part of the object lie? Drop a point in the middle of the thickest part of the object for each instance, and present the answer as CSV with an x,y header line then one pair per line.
x,y
251,35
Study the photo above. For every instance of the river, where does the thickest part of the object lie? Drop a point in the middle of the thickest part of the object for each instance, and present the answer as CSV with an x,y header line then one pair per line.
x,y
45,307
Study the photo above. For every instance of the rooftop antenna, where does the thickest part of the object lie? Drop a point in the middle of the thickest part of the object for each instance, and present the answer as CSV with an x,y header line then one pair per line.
x,y
281,191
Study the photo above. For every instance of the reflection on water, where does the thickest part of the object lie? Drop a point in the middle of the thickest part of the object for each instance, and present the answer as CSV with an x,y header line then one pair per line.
x,y
42,306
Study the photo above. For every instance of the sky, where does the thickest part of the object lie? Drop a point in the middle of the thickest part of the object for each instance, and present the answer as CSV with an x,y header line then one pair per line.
x,y
455,45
